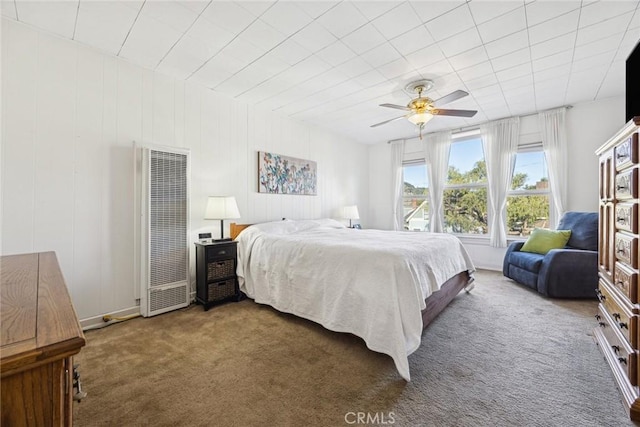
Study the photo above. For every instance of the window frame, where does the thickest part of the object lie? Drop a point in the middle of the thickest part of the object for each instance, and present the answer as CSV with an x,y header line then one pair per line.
x,y
416,162
458,138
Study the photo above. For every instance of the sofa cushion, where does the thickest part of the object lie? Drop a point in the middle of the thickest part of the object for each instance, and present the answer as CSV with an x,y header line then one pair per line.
x,y
584,229
526,261
542,240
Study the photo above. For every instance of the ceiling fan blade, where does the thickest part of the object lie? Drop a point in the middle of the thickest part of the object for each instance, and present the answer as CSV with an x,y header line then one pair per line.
x,y
453,96
397,107
458,113
387,121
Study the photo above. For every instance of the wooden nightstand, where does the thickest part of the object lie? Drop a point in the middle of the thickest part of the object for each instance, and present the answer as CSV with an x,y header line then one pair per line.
x,y
216,279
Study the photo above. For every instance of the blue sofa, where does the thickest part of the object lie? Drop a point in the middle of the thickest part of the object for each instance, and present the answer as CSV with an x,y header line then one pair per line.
x,y
571,272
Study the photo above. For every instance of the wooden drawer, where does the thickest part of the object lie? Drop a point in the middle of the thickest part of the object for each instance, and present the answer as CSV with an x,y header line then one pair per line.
x,y
626,247
623,319
627,185
618,346
626,281
627,152
627,217
221,252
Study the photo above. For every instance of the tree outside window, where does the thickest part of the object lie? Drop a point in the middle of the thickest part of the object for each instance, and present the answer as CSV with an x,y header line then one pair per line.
x,y
416,197
528,200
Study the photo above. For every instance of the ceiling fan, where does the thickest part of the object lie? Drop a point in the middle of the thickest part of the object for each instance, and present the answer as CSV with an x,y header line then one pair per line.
x,y
422,109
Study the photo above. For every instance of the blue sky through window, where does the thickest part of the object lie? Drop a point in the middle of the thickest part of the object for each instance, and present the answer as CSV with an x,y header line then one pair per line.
x,y
465,154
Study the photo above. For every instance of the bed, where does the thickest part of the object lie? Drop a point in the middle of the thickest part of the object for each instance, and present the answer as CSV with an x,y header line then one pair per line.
x,y
382,286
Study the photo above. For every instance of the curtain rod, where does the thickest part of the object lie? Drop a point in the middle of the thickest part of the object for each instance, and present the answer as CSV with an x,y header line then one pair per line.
x,y
477,127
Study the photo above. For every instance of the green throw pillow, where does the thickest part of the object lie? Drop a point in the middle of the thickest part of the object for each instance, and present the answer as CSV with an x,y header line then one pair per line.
x,y
542,240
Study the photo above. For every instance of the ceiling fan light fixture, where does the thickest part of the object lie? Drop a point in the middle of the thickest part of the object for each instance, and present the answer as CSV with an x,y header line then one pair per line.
x,y
420,118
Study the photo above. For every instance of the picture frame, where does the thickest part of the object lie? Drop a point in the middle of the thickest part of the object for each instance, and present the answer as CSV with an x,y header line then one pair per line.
x,y
278,174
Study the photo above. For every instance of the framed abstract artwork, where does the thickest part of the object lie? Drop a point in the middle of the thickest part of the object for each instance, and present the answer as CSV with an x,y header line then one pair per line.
x,y
279,174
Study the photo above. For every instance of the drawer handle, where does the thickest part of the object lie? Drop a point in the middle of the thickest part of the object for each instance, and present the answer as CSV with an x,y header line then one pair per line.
x,y
623,325
621,251
222,252
622,187
616,316
616,349
620,283
621,219
622,360
598,317
602,324
622,156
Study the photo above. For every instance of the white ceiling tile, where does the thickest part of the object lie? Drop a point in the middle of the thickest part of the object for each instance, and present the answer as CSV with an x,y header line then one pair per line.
x,y
481,82
487,92
371,78
381,55
551,73
269,65
424,57
469,58
514,72
555,45
196,6
342,19
504,25
314,37
290,52
8,9
508,44
606,44
363,39
104,25
627,44
395,68
56,17
541,11
551,61
461,42
243,50
437,69
210,34
286,17
450,23
173,14
372,9
595,61
552,28
306,69
214,72
603,29
599,11
523,81
256,8
428,10
149,41
412,40
354,67
234,85
475,71
315,8
613,83
228,15
397,21
483,11
336,53
183,59
512,59
263,35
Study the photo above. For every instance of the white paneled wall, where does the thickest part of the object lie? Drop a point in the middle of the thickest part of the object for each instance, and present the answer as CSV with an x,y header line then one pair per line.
x,y
70,117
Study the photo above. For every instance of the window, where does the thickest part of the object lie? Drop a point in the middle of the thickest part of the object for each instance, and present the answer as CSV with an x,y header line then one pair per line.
x,y
415,196
465,193
528,200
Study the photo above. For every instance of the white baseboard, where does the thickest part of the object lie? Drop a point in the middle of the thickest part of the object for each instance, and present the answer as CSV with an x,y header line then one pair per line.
x,y
92,322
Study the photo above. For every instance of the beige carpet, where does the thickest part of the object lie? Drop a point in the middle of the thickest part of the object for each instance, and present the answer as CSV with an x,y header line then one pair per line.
x,y
499,356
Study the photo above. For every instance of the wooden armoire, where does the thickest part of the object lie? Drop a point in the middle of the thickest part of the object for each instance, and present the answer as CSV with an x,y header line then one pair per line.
x,y
617,333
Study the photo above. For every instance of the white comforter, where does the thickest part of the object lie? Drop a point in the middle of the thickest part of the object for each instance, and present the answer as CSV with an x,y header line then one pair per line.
x,y
371,283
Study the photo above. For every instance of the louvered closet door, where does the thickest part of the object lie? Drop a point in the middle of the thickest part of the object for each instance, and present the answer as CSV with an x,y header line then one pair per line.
x,y
168,227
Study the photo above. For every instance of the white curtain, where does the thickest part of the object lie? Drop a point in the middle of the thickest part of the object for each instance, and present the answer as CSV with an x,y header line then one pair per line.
x,y
500,143
436,154
554,143
397,156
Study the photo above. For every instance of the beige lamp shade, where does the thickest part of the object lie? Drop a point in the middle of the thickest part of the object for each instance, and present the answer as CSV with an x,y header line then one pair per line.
x,y
350,212
221,207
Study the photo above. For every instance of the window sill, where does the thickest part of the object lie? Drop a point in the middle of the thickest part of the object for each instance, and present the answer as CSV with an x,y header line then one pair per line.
x,y
485,240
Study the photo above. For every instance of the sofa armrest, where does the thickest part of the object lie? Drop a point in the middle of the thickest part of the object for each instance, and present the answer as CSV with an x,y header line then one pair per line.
x,y
569,273
513,247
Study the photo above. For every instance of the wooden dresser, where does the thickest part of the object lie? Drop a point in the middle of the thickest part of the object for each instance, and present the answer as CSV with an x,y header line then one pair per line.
x,y
617,333
40,335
